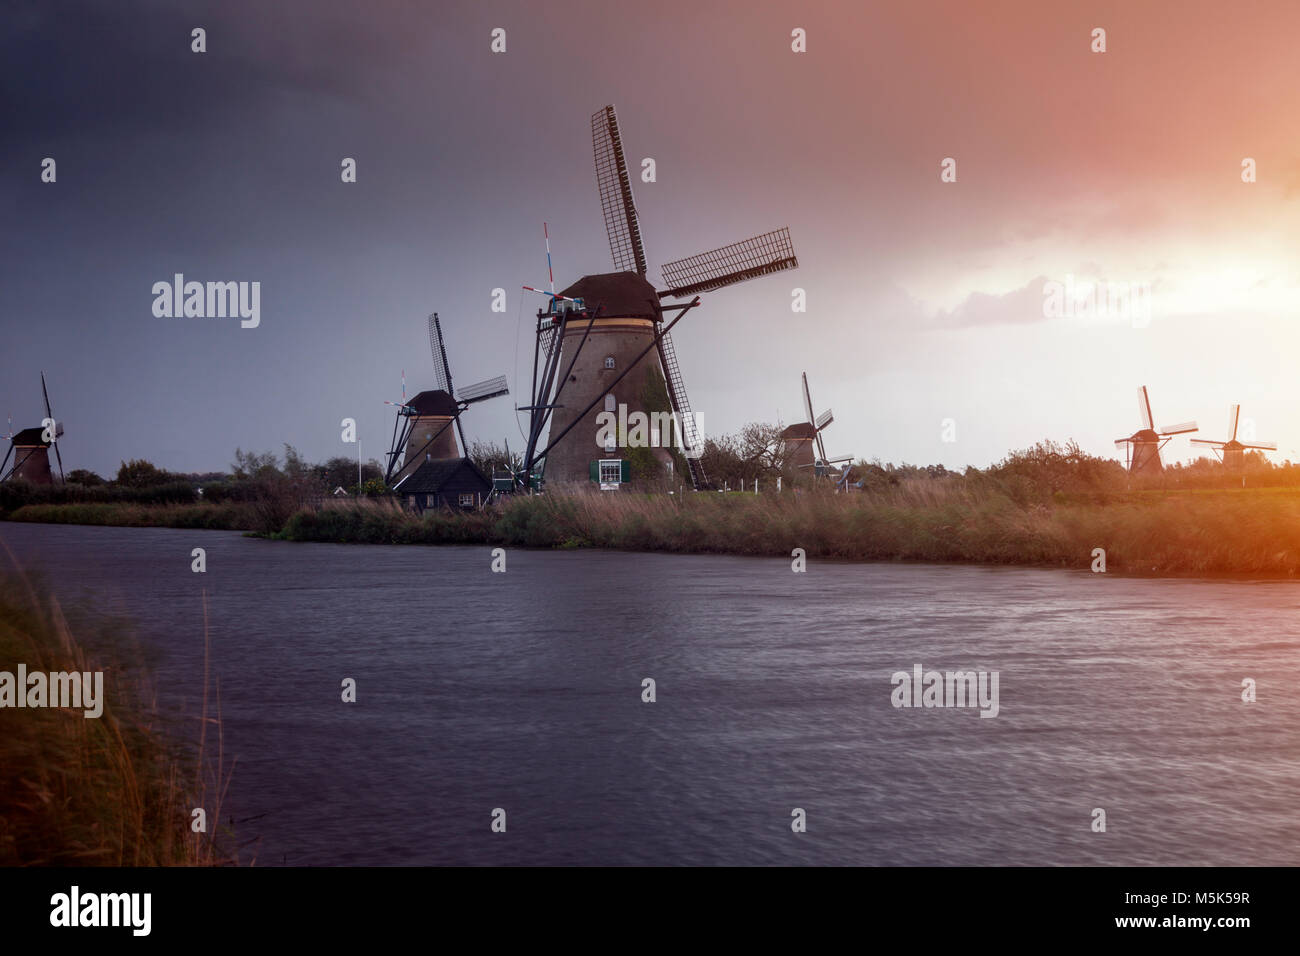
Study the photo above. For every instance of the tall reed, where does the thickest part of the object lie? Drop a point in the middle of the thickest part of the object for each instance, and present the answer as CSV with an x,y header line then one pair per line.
x,y
113,790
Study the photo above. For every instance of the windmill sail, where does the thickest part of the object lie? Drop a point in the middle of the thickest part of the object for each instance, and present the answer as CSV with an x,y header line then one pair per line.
x,y
58,427
441,371
616,203
747,259
819,424
682,406
482,391
1144,408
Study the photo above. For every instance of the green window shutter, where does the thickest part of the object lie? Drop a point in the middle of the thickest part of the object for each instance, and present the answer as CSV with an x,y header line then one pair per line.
x,y
627,470
594,471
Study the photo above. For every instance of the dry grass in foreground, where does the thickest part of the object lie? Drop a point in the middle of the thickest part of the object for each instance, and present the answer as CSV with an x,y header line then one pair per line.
x,y
115,790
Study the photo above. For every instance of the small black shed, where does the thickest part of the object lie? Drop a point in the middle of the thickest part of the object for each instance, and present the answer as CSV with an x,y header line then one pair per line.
x,y
445,483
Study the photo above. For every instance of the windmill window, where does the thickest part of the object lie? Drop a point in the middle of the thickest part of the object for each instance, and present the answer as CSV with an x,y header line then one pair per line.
x,y
467,501
609,441
610,403
609,361
611,471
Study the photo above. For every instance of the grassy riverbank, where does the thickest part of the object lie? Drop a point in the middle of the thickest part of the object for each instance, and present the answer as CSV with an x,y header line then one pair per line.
x,y
1050,505
229,516
112,790
1235,531
1243,531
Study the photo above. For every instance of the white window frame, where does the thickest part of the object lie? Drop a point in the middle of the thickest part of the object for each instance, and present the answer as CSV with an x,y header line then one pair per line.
x,y
615,466
464,503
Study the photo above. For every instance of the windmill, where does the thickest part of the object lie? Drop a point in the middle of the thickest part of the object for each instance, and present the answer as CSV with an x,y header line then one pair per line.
x,y
30,448
1233,452
595,338
422,430
1142,448
803,441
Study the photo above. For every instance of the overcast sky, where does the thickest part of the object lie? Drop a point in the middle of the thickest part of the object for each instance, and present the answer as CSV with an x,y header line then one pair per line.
x,y
924,298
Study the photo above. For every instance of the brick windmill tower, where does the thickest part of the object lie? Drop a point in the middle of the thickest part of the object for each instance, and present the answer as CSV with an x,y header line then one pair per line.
x,y
29,449
603,343
1142,448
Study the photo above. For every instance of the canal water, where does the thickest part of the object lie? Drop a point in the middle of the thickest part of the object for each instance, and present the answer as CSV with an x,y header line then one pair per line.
x,y
523,691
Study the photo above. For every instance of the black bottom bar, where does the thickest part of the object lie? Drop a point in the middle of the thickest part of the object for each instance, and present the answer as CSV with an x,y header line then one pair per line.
x,y
947,907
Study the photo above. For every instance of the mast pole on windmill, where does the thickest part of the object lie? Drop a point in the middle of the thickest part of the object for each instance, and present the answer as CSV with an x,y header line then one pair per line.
x,y
546,231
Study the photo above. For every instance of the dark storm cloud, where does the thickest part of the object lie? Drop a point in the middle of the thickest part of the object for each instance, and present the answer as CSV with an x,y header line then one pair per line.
x,y
108,69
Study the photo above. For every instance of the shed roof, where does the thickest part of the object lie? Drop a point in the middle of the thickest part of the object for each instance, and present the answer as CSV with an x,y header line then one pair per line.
x,y
432,476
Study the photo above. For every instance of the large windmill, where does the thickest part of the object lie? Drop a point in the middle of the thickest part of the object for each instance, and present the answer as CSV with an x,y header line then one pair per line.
x,y
1142,448
1233,452
422,430
30,449
803,440
595,338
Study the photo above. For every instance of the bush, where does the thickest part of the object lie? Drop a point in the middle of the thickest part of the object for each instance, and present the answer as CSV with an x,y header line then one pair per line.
x,y
81,476
138,473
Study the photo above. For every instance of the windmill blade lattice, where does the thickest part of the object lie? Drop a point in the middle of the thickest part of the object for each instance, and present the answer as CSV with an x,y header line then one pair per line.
x,y
1144,408
748,259
482,391
615,186
441,371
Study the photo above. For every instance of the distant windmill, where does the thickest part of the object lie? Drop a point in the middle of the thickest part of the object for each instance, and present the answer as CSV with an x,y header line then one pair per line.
x,y
804,446
619,320
422,431
1233,452
30,449
1142,448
